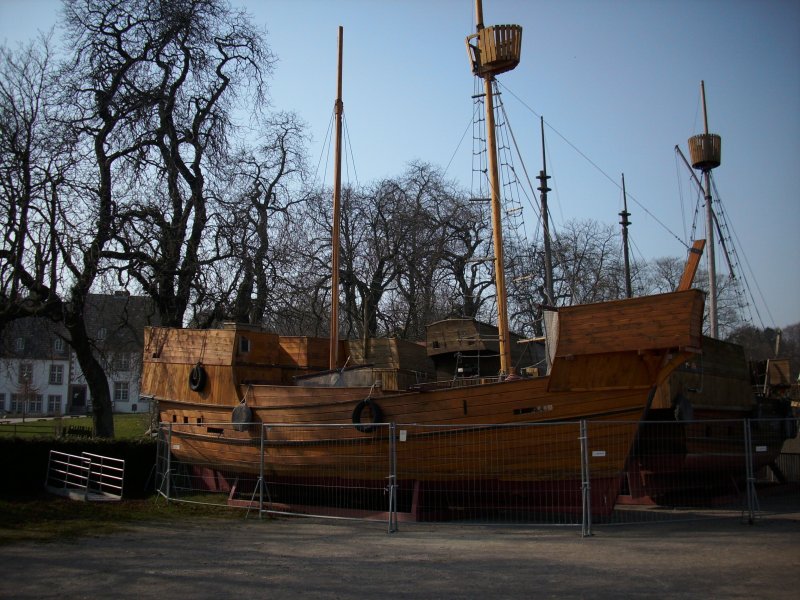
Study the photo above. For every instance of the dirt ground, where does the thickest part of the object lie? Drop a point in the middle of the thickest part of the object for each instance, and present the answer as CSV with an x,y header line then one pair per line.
x,y
313,558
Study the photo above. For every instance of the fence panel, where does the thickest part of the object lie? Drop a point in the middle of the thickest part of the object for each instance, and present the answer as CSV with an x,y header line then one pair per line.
x,y
699,469
209,463
328,470
67,474
776,465
85,477
106,476
527,473
320,470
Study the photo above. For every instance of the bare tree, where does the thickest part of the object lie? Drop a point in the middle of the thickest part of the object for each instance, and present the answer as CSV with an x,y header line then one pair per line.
x,y
32,168
423,197
468,243
59,222
181,65
587,263
664,274
267,184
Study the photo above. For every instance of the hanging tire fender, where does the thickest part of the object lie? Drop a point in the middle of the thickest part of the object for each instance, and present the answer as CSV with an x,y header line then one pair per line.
x,y
241,417
375,409
197,378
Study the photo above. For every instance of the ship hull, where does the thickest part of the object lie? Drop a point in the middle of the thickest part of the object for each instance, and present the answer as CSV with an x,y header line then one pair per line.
x,y
449,462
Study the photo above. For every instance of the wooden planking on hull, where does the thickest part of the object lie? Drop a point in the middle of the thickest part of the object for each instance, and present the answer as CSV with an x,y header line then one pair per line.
x,y
512,402
550,452
189,346
537,465
651,322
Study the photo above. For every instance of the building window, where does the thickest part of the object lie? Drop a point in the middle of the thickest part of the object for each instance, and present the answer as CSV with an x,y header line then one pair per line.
x,y
19,344
58,344
54,404
120,391
25,373
122,361
101,333
2,401
244,345
56,374
35,404
16,403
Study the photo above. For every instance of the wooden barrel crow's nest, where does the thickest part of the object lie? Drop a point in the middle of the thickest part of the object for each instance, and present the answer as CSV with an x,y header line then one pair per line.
x,y
705,150
495,50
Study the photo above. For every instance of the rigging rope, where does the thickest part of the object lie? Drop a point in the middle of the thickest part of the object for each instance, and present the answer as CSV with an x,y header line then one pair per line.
x,y
726,239
680,196
348,145
522,261
727,233
601,171
325,151
461,141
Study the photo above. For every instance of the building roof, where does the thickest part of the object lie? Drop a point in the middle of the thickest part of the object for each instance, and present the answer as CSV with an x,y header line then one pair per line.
x,y
115,322
33,338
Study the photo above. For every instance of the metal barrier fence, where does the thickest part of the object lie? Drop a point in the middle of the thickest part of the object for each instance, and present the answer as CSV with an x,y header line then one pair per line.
x,y
85,477
579,473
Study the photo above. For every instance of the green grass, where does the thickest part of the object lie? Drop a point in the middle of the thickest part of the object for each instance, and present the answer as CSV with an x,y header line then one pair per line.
x,y
50,518
126,426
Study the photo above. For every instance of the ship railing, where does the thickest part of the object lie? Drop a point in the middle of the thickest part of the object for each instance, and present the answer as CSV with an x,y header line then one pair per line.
x,y
459,382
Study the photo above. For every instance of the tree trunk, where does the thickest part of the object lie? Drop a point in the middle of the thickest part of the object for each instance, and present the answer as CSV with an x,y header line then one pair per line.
x,y
102,409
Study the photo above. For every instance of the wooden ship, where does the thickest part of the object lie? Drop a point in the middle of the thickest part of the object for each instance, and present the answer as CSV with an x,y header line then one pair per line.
x,y
692,437
215,388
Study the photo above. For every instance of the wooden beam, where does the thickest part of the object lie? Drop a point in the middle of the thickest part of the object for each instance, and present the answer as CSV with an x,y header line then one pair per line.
x,y
692,263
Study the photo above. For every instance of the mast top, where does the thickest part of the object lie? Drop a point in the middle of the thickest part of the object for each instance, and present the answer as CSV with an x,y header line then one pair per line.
x,y
496,49
705,149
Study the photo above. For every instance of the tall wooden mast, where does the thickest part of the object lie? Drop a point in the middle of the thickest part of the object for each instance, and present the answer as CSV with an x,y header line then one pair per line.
x,y
337,195
705,151
496,50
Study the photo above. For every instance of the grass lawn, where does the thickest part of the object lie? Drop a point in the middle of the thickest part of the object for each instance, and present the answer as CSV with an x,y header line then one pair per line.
x,y
48,518
126,426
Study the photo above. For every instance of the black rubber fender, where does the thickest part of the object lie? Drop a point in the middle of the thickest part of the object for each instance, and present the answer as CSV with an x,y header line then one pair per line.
x,y
197,378
375,409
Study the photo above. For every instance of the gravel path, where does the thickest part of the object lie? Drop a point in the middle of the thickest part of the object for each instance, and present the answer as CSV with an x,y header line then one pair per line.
x,y
309,558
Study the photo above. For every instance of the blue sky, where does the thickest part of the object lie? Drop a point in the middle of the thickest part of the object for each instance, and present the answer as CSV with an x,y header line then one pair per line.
x,y
618,79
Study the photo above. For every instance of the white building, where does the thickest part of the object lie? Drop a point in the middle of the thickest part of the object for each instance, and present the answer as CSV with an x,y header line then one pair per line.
x,y
39,374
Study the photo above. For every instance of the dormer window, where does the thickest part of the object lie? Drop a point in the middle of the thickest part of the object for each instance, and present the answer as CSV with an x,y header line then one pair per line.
x,y
102,333
19,344
121,361
26,373
58,344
